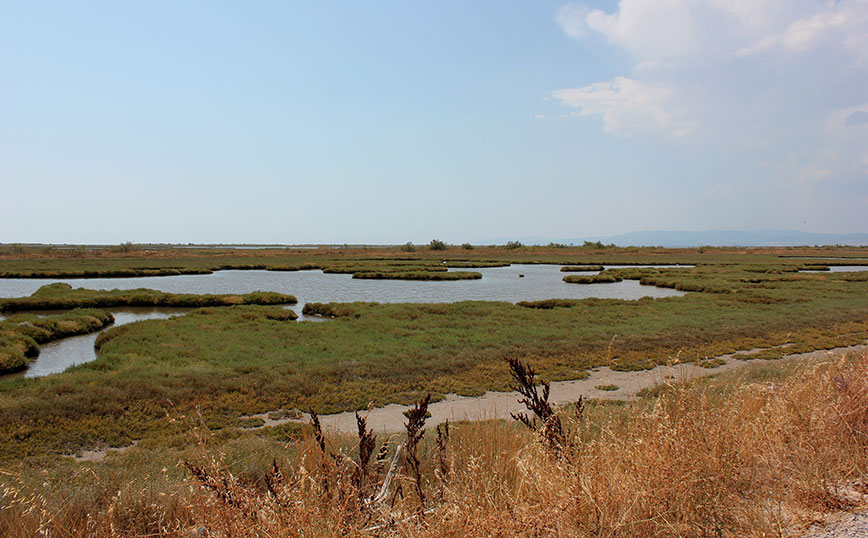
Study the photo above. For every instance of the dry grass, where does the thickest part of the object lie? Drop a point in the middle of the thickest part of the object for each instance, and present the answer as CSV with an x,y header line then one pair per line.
x,y
707,459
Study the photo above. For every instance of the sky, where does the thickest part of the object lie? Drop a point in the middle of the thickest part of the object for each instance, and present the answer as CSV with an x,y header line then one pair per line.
x,y
385,122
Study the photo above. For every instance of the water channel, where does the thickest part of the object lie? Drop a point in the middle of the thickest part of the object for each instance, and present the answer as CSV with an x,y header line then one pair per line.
x,y
512,284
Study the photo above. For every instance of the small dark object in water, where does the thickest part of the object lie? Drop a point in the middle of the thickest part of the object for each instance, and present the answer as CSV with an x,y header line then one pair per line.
x,y
520,275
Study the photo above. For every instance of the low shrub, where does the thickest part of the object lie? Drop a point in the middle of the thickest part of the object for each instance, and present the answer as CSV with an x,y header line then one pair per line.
x,y
436,244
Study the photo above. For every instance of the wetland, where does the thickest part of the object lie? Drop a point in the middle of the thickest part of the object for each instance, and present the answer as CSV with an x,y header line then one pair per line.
x,y
245,345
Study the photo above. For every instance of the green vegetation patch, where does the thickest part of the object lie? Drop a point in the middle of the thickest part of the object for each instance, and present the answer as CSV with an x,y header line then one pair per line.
x,y
607,387
60,296
602,278
21,335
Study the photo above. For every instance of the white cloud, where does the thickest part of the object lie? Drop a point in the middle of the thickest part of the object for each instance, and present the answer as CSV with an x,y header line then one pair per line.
x,y
571,19
626,105
773,78
845,21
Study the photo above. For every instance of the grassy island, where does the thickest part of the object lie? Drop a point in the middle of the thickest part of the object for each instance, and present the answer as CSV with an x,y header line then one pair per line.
x,y
60,296
21,334
580,268
605,277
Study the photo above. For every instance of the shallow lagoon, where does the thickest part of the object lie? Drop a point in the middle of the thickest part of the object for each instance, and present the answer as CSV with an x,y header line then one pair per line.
x,y
497,284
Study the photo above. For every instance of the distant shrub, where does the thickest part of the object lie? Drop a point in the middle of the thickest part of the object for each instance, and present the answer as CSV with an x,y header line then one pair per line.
x,y
123,247
512,245
437,244
466,246
407,247
557,245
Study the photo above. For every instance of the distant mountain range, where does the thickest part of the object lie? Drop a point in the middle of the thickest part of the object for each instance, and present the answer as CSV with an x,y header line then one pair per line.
x,y
734,238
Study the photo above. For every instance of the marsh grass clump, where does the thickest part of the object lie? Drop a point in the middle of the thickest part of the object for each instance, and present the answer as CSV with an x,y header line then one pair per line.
x,y
549,304
61,296
602,278
330,310
607,388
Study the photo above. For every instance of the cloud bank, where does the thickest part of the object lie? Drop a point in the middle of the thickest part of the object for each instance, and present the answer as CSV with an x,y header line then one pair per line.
x,y
782,78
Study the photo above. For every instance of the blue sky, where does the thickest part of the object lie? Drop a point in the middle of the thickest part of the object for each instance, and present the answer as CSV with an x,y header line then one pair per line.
x,y
387,122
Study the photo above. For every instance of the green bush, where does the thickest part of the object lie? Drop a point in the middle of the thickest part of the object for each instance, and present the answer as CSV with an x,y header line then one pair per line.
x,y
437,244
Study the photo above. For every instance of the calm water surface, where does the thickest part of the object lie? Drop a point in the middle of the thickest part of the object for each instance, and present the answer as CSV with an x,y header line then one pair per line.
x,y
841,269
497,284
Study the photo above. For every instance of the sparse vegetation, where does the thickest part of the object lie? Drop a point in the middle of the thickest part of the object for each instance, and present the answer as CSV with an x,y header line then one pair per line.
x,y
607,387
512,245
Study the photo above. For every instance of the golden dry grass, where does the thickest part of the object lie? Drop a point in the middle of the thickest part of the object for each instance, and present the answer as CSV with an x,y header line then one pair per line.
x,y
705,459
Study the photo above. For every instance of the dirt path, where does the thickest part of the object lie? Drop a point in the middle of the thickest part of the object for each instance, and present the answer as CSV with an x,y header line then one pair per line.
x,y
497,405
842,525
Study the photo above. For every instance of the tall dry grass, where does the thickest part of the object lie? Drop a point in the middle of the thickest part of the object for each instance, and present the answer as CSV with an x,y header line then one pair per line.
x,y
699,460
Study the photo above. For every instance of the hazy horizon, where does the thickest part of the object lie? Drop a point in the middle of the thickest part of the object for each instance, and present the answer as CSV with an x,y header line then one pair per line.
x,y
339,123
